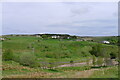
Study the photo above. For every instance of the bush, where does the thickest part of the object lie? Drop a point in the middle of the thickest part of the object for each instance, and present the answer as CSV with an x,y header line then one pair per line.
x,y
113,55
71,61
7,55
94,60
28,59
97,50
99,61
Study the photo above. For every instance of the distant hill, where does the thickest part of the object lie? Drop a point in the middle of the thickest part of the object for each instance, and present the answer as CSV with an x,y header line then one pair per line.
x,y
111,39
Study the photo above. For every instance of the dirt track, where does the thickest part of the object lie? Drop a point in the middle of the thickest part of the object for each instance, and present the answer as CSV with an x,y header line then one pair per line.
x,y
75,64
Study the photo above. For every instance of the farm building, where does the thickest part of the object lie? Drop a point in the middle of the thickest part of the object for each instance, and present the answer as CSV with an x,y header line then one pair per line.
x,y
38,36
2,39
55,37
105,42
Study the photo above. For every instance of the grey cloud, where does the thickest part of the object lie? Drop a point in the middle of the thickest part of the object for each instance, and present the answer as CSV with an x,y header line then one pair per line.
x,y
72,18
79,11
97,20
115,14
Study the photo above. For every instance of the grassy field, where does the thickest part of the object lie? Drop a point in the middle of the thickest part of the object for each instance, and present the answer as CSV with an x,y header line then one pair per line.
x,y
15,70
50,49
111,72
30,53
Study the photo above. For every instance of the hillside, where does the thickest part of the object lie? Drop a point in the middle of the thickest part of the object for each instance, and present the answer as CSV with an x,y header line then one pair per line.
x,y
35,52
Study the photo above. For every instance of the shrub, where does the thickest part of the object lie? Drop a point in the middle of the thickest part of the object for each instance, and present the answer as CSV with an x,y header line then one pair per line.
x,y
7,55
71,61
99,61
94,60
28,59
97,50
113,55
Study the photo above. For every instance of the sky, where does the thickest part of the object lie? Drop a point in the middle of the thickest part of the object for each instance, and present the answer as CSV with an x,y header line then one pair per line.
x,y
74,18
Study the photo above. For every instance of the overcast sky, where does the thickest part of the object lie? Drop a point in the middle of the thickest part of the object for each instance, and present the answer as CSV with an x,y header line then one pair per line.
x,y
81,18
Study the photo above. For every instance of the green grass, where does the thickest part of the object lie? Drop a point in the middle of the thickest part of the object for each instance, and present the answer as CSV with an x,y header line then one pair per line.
x,y
50,48
52,71
14,68
111,72
50,51
79,68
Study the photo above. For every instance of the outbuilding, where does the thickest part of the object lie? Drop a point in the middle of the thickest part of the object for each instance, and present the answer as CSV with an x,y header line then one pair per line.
x,y
105,42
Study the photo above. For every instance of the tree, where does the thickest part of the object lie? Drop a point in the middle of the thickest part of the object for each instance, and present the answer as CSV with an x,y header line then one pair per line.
x,y
44,36
97,50
94,60
100,53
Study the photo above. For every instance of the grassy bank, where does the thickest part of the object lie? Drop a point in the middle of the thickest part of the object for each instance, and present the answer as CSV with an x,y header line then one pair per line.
x,y
28,55
111,72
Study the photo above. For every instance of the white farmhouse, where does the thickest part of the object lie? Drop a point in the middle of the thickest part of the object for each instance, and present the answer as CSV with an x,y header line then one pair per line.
x,y
55,37
2,39
68,37
38,36
106,42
